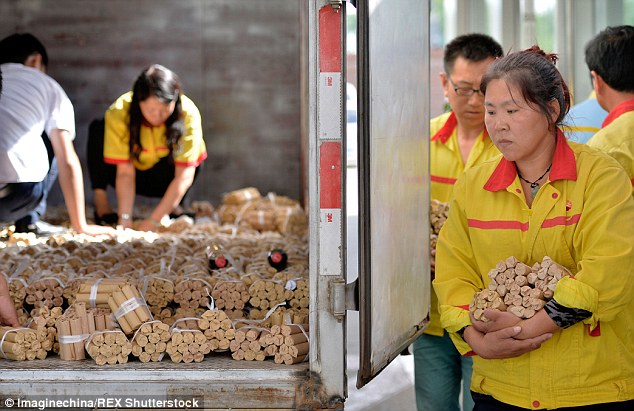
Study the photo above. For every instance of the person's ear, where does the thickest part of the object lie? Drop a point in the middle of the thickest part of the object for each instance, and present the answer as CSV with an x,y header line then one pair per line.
x,y
444,82
35,61
555,109
597,82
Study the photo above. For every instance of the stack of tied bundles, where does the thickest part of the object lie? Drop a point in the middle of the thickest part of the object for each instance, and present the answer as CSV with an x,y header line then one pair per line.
x,y
266,294
17,292
518,288
76,325
120,296
129,308
44,319
247,343
108,347
46,291
95,292
235,203
231,296
158,292
246,207
202,208
260,215
21,344
192,293
217,329
149,343
293,345
187,343
290,217
438,214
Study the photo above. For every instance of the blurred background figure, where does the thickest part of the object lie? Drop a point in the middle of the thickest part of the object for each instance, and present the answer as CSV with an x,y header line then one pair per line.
x,y
38,127
584,119
153,146
458,142
610,58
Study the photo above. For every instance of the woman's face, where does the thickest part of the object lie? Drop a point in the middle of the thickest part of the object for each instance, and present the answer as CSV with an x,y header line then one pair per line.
x,y
520,132
155,111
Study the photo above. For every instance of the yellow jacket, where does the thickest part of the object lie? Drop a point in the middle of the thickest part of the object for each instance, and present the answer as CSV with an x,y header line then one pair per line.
x,y
615,138
446,166
583,218
190,150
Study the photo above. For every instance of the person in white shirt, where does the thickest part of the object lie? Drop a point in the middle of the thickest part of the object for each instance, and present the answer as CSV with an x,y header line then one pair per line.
x,y
38,127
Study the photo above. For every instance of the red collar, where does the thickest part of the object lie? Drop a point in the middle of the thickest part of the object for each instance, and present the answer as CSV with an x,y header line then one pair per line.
x,y
447,129
564,167
622,108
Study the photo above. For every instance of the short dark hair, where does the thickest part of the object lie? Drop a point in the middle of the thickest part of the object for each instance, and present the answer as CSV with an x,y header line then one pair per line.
x,y
17,48
474,47
534,73
611,55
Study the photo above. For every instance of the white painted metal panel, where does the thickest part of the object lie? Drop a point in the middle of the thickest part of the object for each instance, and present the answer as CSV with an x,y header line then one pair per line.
x,y
394,175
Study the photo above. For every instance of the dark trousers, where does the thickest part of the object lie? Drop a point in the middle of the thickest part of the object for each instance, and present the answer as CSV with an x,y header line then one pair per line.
x,y
488,403
149,183
26,202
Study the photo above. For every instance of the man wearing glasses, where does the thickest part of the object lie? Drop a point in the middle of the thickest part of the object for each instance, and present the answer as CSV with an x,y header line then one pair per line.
x,y
458,142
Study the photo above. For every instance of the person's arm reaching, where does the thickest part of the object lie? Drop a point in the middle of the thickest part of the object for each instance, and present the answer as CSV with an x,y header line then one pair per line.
x,y
126,192
183,179
72,183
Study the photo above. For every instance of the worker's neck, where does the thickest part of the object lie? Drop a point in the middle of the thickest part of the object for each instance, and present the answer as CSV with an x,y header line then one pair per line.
x,y
469,131
611,98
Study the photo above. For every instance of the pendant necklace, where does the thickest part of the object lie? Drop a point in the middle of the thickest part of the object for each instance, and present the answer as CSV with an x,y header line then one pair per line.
x,y
534,184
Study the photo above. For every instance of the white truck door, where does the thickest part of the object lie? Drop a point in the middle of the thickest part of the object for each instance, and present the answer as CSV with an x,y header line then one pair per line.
x,y
393,123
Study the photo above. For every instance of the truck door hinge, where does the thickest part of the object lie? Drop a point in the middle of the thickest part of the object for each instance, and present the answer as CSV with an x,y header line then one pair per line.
x,y
344,297
336,4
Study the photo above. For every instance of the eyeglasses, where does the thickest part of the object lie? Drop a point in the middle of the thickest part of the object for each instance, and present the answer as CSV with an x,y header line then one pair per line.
x,y
464,91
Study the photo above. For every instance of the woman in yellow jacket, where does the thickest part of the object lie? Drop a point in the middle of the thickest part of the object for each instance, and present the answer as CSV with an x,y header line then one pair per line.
x,y
153,146
544,197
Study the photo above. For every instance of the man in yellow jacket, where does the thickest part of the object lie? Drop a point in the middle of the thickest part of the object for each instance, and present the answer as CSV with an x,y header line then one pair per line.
x,y
458,141
610,58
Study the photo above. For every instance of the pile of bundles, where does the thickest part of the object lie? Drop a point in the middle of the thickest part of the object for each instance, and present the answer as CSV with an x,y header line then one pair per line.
x,y
247,207
108,347
438,213
287,344
193,338
22,344
156,295
150,341
45,319
518,288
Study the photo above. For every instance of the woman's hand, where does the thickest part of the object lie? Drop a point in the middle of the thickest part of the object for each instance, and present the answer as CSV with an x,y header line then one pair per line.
x,y
8,314
95,230
502,343
146,225
498,321
125,223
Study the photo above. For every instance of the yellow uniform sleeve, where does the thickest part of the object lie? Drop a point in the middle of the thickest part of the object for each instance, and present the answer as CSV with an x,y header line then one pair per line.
x,y
604,282
457,275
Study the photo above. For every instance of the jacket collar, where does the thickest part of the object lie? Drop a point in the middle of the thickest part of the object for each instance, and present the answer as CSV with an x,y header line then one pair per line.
x,y
564,167
622,108
447,129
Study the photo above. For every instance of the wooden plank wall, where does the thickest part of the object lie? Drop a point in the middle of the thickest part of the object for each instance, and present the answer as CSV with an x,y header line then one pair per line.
x,y
239,60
